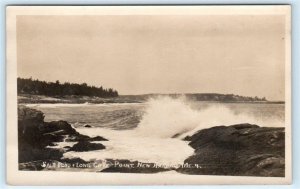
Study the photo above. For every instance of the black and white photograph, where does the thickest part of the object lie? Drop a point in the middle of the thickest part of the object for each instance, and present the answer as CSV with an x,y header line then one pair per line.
x,y
163,91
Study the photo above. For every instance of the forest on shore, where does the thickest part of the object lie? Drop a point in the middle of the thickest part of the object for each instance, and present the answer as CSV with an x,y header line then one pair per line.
x,y
36,87
36,91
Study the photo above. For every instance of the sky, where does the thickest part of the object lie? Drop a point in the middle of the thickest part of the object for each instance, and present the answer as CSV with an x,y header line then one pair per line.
x,y
139,54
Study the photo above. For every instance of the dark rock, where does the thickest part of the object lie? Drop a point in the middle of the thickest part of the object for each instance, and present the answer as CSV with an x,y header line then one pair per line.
x,y
243,149
77,137
28,153
244,126
32,141
35,165
53,144
62,127
82,146
35,136
98,138
28,114
80,137
73,160
48,139
50,164
29,123
87,126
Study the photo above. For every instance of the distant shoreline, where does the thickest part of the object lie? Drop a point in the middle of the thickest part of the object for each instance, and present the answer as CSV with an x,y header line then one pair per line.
x,y
41,99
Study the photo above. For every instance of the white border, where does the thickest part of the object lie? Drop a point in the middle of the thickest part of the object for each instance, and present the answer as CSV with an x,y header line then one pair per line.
x,y
16,177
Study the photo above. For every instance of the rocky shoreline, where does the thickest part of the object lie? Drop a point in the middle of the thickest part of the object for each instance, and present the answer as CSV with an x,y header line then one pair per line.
x,y
37,138
243,149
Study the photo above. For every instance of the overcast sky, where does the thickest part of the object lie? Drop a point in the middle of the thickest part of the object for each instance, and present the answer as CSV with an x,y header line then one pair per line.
x,y
157,54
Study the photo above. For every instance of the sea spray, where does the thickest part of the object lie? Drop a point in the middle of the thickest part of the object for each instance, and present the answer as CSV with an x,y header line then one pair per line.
x,y
150,140
167,117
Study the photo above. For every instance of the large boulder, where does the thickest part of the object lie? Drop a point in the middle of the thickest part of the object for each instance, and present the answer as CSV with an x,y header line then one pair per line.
x,y
242,149
83,146
28,114
35,137
97,138
62,126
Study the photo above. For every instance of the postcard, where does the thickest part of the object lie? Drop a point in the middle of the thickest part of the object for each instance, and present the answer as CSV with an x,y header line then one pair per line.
x,y
148,95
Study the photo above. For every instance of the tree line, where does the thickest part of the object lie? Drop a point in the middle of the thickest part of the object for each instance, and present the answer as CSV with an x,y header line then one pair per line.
x,y
36,87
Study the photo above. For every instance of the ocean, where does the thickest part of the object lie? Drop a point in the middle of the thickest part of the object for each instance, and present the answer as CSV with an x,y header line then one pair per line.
x,y
152,132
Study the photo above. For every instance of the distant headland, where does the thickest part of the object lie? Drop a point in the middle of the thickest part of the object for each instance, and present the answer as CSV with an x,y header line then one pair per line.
x,y
36,91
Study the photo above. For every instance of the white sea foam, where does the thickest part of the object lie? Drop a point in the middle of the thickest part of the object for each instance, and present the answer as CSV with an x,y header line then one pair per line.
x,y
165,117
128,144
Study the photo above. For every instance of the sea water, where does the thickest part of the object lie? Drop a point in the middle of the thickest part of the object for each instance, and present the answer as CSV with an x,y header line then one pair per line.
x,y
152,132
